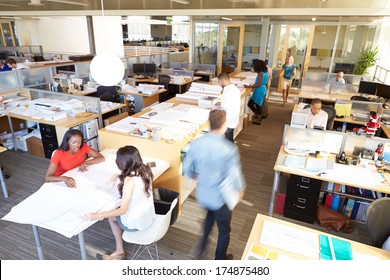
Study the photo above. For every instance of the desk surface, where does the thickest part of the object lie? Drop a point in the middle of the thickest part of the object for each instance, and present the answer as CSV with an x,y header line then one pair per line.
x,y
59,208
359,250
161,90
350,175
82,92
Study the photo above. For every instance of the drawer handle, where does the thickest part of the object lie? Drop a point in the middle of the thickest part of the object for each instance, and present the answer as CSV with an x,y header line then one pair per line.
x,y
301,200
302,207
305,180
303,187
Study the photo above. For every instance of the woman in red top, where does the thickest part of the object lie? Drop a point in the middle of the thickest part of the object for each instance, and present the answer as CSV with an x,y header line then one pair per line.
x,y
71,153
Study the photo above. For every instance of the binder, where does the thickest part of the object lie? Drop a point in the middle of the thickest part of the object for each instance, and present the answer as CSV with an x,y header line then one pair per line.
x,y
355,209
334,249
349,207
335,202
328,200
362,210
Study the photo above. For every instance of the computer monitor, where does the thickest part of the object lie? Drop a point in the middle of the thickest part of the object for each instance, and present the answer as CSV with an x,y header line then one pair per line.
x,y
383,91
138,68
367,87
150,69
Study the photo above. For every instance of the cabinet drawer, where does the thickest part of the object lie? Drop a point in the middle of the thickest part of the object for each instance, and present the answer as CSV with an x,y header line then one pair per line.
x,y
48,131
49,147
301,205
299,217
304,186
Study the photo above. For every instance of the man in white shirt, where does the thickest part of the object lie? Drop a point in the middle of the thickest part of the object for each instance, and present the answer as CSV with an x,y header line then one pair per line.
x,y
338,79
230,102
316,118
15,66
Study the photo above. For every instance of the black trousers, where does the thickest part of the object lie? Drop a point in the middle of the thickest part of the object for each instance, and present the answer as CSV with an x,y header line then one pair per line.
x,y
229,134
254,107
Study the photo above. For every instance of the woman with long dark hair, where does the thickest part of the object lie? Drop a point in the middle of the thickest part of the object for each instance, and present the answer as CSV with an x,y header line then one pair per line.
x,y
136,211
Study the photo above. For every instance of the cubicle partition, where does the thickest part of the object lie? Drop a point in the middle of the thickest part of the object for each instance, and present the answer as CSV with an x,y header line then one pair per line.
x,y
324,77
9,81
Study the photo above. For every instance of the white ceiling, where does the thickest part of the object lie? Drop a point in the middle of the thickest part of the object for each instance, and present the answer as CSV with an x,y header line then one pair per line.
x,y
300,10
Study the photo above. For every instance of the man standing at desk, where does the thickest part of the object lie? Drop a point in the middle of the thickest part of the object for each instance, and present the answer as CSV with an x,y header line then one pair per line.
x,y
316,118
230,102
338,79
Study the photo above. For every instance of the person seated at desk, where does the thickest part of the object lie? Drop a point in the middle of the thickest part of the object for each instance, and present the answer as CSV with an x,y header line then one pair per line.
x,y
316,118
136,211
15,66
338,79
4,67
72,153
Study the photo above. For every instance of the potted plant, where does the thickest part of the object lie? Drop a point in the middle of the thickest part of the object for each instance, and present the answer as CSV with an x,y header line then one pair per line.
x,y
367,58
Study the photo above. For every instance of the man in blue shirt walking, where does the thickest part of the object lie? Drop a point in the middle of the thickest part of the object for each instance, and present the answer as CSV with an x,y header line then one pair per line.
x,y
215,162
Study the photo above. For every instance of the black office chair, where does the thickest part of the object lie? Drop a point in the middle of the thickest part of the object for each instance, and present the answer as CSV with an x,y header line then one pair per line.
x,y
378,221
108,93
331,111
164,80
359,98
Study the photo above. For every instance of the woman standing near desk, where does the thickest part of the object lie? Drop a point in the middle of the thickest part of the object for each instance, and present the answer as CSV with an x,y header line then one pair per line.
x,y
260,92
72,153
136,211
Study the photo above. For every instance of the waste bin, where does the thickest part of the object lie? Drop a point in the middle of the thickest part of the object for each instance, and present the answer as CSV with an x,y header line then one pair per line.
x,y
162,202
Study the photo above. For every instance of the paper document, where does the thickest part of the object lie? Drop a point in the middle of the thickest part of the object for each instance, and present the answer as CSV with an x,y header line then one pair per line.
x,y
309,163
257,252
290,239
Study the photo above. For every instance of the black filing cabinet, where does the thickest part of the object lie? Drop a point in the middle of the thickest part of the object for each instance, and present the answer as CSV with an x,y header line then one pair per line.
x,y
302,198
49,138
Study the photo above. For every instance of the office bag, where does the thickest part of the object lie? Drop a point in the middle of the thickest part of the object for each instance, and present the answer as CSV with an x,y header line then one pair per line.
x,y
333,220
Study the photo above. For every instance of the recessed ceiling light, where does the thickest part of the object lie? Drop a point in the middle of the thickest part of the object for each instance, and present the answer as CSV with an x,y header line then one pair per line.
x,y
41,17
8,5
313,19
35,3
226,18
11,17
184,2
68,2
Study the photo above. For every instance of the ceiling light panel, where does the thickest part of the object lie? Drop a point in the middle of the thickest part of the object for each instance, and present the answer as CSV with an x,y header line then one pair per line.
x,y
68,2
184,2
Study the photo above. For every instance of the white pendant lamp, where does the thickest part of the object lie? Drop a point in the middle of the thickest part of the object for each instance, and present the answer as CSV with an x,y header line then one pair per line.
x,y
106,68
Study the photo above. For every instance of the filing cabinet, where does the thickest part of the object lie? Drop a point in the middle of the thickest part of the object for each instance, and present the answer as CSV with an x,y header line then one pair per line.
x,y
302,198
49,138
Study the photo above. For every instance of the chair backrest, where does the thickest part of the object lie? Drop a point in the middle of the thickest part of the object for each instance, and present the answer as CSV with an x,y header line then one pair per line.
x,y
378,221
115,118
165,223
153,233
164,80
359,98
331,114
107,93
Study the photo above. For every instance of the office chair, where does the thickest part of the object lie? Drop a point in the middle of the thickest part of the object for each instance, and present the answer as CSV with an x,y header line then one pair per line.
x,y
107,93
150,236
164,80
331,115
359,98
378,221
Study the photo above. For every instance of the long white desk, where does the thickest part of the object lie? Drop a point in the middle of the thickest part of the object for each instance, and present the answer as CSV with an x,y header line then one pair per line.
x,y
59,208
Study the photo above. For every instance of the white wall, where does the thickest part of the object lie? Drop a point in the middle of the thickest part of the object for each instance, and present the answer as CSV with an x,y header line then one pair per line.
x,y
108,34
57,35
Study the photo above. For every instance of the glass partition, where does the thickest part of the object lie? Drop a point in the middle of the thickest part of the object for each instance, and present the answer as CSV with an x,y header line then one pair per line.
x,y
251,48
363,107
8,80
340,89
206,42
354,143
35,76
315,87
82,69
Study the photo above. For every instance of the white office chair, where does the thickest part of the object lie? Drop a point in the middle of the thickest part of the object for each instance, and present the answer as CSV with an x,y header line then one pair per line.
x,y
151,235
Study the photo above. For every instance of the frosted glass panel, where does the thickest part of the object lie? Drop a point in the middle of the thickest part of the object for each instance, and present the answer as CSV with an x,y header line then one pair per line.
x,y
35,76
8,80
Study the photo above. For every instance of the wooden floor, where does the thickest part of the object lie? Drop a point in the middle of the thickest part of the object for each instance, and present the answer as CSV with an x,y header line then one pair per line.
x,y
258,146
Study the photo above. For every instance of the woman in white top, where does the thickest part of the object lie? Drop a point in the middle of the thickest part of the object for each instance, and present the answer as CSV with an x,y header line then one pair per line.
x,y
136,211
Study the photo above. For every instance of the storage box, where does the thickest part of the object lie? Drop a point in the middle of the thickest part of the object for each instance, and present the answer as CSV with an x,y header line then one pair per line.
x,y
35,146
20,141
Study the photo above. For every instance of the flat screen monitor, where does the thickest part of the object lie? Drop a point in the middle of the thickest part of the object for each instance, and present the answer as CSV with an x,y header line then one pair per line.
x,y
138,68
383,91
366,87
150,69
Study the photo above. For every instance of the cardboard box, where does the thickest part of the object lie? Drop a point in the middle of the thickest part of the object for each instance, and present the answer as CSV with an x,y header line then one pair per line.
x,y
35,146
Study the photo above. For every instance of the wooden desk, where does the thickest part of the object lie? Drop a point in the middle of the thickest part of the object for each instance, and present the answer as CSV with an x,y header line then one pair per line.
x,y
59,208
83,92
325,97
180,86
386,130
254,238
345,177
